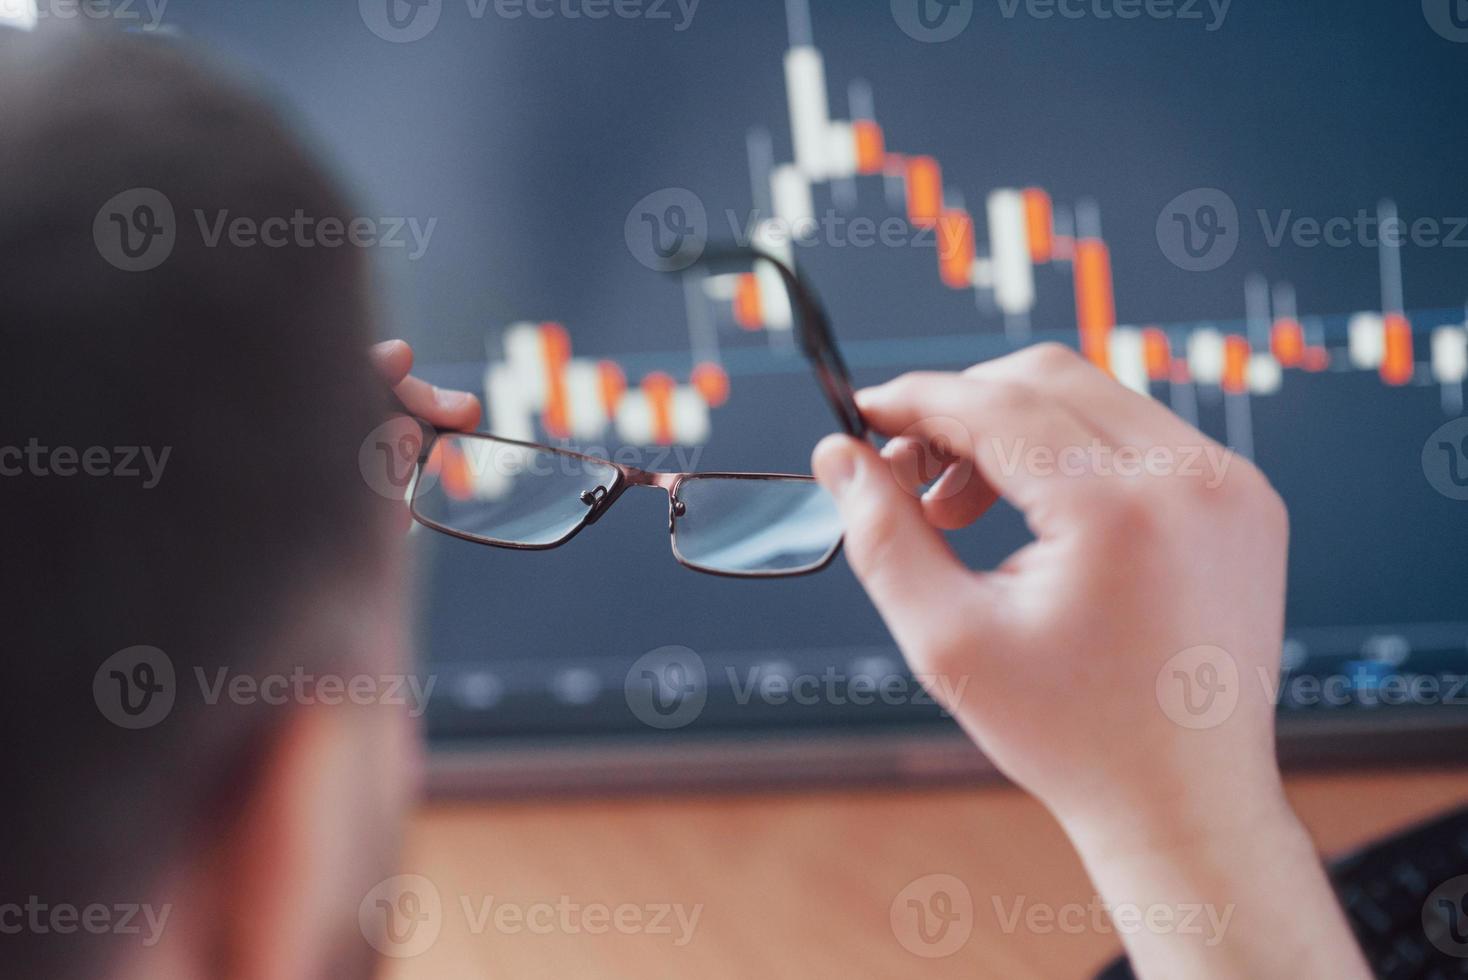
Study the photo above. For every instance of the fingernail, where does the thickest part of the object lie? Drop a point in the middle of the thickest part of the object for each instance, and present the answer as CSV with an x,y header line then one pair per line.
x,y
837,469
450,400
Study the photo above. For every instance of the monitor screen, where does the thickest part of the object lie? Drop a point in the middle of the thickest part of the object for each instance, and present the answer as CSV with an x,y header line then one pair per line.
x,y
1255,213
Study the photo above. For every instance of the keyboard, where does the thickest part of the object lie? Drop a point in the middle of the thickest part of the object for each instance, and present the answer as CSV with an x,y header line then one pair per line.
x,y
1407,900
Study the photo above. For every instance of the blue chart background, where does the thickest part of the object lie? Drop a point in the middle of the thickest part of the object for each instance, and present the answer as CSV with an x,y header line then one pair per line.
x,y
530,139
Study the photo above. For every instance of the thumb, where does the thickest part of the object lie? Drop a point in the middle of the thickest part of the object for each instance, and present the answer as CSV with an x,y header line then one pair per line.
x,y
912,576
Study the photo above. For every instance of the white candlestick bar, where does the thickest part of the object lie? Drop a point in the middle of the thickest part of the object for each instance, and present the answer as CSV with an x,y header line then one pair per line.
x,y
1366,340
1264,374
1127,356
634,418
1450,354
1205,356
588,412
794,207
840,150
690,417
805,87
1009,251
983,274
773,238
509,409
525,353
720,289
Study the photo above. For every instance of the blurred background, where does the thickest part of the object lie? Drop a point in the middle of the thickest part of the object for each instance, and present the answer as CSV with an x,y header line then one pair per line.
x,y
1195,197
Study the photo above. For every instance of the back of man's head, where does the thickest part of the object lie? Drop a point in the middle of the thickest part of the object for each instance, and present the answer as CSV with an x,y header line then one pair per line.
x,y
180,421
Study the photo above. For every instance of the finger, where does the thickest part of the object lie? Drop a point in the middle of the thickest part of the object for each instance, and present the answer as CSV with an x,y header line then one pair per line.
x,y
912,576
907,458
393,359
1125,416
959,498
443,407
958,495
1027,447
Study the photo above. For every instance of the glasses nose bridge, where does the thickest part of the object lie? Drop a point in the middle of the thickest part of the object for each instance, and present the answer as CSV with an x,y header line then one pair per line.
x,y
647,478
667,482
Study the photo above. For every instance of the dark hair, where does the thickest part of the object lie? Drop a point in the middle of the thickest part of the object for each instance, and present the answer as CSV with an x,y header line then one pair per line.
x,y
248,367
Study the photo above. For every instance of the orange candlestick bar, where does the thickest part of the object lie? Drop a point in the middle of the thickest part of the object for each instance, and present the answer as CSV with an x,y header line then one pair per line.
x,y
1156,354
1315,359
1235,364
955,248
871,148
659,389
924,191
712,382
746,301
1397,365
556,346
1287,342
1095,299
613,385
1040,224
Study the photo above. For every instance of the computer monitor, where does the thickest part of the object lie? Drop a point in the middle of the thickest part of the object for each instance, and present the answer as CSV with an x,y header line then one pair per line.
x,y
1253,213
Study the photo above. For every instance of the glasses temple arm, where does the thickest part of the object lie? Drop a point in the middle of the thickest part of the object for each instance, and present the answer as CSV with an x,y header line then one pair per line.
x,y
816,339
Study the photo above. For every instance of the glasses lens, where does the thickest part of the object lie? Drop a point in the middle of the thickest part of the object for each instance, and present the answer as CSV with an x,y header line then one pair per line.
x,y
755,526
502,493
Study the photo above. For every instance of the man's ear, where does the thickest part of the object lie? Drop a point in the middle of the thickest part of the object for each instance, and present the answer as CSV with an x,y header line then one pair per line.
x,y
310,838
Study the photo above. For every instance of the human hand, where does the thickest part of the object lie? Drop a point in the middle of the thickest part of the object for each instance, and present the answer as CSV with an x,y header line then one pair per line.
x,y
1063,644
436,405
442,407
1119,666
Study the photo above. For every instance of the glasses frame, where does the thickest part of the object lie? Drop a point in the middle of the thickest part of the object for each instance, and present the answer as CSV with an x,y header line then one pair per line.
x,y
816,343
812,328
598,504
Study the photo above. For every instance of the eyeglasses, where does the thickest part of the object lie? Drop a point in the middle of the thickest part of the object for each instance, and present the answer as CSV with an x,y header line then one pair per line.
x,y
511,494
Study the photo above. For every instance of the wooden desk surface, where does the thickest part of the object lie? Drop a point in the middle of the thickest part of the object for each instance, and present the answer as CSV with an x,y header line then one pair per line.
x,y
794,885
